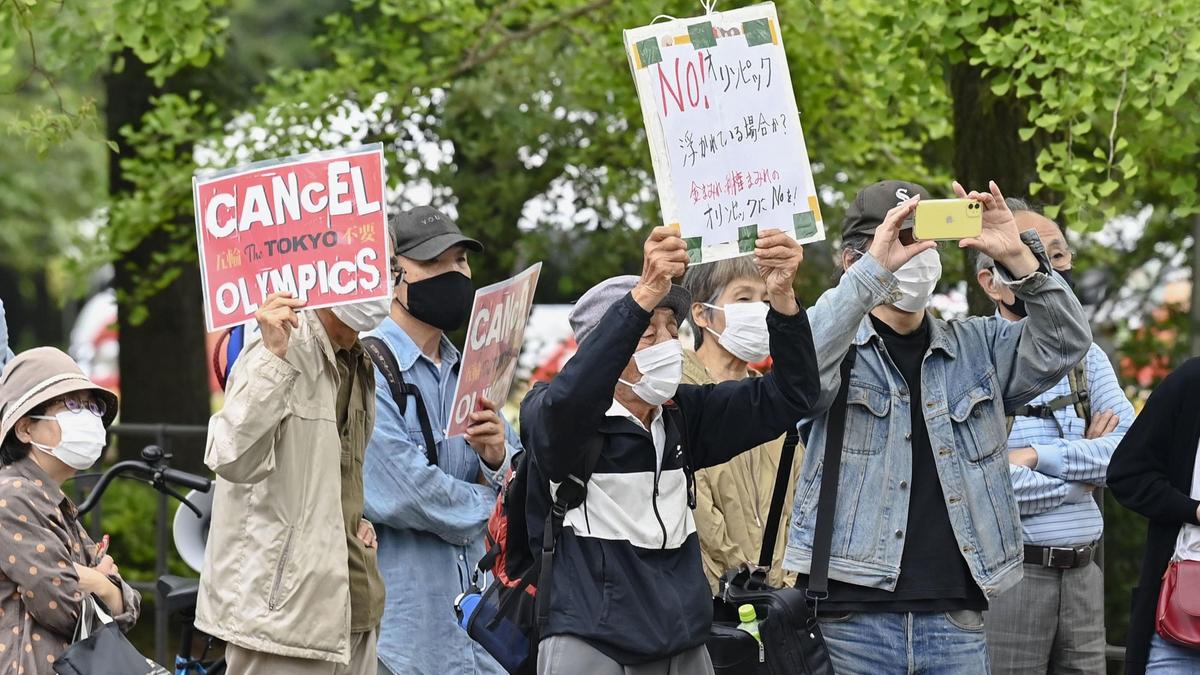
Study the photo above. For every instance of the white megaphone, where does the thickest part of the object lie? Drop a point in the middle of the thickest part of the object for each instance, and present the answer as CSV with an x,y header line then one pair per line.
x,y
191,532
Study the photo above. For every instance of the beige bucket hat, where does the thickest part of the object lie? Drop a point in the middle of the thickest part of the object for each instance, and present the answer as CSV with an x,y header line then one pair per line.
x,y
40,375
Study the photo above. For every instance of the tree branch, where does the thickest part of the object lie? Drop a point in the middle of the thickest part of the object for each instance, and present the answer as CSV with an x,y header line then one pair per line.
x,y
474,60
1112,132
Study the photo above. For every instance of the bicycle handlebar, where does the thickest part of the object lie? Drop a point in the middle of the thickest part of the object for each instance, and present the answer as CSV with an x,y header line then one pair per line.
x,y
159,475
187,480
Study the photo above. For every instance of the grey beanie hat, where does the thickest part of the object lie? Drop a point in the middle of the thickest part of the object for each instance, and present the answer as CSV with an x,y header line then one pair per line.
x,y
587,312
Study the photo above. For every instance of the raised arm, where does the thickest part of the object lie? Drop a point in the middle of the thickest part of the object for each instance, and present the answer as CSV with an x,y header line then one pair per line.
x,y
1031,355
241,437
555,416
728,418
867,283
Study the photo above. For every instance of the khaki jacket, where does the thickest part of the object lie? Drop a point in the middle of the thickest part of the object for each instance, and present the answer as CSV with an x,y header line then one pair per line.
x,y
733,499
276,577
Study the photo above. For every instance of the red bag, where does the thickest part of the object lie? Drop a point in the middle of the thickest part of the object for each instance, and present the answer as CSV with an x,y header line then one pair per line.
x,y
1177,618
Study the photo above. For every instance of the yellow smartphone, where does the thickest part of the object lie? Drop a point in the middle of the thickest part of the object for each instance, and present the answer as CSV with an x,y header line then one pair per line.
x,y
948,219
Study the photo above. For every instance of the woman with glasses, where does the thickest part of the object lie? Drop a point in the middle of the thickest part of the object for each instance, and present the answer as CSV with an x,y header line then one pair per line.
x,y
52,425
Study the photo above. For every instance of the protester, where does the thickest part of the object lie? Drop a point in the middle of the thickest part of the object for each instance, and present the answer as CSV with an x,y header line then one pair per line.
x,y
290,577
729,323
1059,446
6,353
52,427
628,593
1156,472
431,517
926,527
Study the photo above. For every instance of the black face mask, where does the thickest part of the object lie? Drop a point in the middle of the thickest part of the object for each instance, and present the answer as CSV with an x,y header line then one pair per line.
x,y
443,301
1018,305
1068,276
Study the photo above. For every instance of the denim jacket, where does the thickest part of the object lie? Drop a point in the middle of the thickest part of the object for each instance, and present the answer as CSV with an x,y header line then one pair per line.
x,y
975,372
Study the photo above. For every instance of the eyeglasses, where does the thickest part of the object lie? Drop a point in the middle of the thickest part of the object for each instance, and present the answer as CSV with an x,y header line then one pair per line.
x,y
95,406
1062,258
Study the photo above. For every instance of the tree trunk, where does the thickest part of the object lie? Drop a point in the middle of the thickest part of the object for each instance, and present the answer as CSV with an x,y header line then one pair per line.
x,y
987,147
162,361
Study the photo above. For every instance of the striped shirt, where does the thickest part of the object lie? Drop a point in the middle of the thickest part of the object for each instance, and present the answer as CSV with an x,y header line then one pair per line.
x,y
1057,508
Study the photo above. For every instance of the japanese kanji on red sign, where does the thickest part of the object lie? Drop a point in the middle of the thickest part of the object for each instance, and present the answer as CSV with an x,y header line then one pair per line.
x,y
313,225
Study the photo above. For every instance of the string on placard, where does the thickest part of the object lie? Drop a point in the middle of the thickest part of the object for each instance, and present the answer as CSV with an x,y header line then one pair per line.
x,y
709,5
668,17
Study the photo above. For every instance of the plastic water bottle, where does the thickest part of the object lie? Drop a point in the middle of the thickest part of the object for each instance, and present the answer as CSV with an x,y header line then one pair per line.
x,y
749,621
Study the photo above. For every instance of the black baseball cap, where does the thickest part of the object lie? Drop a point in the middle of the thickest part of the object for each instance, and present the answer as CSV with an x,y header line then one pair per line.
x,y
424,233
873,202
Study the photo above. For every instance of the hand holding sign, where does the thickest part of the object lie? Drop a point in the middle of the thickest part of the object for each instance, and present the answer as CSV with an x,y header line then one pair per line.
x,y
778,256
485,434
276,319
664,258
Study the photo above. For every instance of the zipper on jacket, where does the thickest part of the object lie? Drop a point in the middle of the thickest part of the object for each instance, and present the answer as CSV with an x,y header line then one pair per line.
x,y
272,601
654,502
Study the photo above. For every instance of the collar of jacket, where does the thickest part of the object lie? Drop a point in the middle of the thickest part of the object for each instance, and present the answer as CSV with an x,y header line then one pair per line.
x,y
407,352
938,337
357,353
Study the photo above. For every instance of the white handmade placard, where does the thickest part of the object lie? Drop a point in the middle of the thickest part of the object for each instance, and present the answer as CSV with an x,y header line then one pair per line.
x,y
724,131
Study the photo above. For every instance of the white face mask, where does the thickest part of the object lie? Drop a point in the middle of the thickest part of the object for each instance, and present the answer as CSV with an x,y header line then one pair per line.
x,y
661,367
745,335
917,279
82,438
366,316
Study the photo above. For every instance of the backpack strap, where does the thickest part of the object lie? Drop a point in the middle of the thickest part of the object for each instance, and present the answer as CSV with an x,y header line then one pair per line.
x,y
818,573
674,413
783,474
1079,397
570,494
385,361
1078,379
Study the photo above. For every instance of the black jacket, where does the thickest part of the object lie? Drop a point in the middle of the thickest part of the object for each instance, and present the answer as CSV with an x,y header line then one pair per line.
x,y
627,573
1151,473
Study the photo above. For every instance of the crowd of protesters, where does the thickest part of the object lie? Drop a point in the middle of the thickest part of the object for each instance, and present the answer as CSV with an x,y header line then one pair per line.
x,y
346,523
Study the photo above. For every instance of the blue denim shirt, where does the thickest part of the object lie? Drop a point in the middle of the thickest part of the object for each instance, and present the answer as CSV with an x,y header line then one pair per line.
x,y
974,372
430,520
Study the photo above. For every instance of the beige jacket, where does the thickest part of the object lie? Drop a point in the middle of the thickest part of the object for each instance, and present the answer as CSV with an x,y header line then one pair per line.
x,y
733,499
275,575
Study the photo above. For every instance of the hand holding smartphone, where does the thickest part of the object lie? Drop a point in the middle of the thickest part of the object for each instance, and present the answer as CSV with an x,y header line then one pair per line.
x,y
948,219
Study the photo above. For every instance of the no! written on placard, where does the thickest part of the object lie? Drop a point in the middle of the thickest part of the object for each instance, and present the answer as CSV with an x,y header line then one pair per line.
x,y
724,132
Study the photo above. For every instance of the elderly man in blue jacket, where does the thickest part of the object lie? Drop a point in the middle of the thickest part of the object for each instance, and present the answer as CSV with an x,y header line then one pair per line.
x,y
628,592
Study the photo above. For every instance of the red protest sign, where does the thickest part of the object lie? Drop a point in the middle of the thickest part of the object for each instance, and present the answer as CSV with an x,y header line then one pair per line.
x,y
493,344
314,225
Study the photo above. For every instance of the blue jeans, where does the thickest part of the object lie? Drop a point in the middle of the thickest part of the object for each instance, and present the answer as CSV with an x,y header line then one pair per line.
x,y
1167,658
925,643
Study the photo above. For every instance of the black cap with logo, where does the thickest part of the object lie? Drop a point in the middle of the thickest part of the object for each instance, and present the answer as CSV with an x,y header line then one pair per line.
x,y
424,233
873,202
